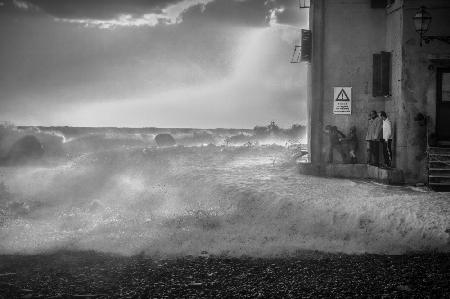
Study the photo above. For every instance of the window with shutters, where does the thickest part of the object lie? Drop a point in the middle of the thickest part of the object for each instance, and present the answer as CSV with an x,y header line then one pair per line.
x,y
381,84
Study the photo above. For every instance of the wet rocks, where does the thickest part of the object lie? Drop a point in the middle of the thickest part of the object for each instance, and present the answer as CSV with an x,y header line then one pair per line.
x,y
165,140
26,149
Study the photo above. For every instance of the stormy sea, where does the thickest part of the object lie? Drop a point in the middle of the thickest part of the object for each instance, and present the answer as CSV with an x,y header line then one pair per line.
x,y
109,213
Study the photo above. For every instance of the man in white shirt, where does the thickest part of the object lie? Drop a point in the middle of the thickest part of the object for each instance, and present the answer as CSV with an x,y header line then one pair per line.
x,y
387,139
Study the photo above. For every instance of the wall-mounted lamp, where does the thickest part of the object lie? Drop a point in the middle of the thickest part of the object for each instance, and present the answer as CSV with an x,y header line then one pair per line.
x,y
422,20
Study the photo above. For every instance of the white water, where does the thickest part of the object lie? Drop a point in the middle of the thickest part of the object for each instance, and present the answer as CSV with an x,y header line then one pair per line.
x,y
232,201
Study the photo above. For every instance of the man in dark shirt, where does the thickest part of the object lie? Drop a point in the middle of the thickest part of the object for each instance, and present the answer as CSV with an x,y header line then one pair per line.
x,y
373,137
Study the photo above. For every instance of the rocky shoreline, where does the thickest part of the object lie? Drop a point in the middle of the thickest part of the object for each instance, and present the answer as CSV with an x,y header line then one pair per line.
x,y
308,275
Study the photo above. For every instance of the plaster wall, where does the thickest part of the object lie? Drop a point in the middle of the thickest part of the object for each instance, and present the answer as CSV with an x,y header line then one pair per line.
x,y
393,103
315,72
419,65
353,33
346,33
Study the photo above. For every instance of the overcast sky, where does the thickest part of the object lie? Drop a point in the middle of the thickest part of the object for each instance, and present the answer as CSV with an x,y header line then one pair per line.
x,y
165,63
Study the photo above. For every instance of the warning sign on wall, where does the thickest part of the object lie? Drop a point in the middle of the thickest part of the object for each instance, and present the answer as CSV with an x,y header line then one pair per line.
x,y
342,100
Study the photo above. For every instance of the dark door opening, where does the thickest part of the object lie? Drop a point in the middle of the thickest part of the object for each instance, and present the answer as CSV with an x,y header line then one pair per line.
x,y
443,105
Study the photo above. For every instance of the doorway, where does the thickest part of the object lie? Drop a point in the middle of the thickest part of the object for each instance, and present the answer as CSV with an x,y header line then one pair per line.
x,y
443,105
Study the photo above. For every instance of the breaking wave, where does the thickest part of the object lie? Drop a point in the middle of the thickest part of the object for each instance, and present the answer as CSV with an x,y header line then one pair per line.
x,y
222,200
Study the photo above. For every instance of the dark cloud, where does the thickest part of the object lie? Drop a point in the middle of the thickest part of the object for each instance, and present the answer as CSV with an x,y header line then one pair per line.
x,y
239,13
246,13
290,14
98,9
286,11
56,59
10,6
254,13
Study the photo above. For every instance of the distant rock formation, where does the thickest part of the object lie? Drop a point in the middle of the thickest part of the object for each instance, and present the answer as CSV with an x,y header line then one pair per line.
x,y
202,137
26,149
164,140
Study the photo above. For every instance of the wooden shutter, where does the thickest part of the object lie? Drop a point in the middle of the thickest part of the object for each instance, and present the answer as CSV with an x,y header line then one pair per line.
x,y
306,45
385,73
381,80
376,77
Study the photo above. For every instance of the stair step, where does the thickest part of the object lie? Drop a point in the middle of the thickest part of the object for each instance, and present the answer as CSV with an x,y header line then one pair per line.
x,y
444,142
439,184
444,176
440,154
438,166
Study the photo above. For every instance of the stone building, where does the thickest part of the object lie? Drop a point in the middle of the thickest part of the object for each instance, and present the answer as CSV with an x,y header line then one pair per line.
x,y
373,47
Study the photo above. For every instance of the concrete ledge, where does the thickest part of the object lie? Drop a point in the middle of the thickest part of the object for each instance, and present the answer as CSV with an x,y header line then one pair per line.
x,y
386,176
354,171
309,168
347,171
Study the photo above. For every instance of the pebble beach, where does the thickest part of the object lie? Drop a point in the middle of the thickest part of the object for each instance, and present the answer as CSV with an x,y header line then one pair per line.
x,y
306,275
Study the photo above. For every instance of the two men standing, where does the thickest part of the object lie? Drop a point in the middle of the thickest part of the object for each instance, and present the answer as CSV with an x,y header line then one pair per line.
x,y
379,131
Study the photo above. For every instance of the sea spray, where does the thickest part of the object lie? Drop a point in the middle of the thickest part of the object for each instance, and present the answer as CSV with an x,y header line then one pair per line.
x,y
222,200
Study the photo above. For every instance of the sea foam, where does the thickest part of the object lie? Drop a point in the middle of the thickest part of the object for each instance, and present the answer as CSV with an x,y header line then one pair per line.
x,y
222,200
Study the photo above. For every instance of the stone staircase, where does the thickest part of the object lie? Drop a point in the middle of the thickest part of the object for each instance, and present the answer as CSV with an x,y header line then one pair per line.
x,y
439,167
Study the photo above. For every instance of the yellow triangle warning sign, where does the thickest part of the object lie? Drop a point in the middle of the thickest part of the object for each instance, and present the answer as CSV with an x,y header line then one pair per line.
x,y
342,96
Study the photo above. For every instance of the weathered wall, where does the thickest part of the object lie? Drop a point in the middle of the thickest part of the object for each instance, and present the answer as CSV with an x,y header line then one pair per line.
x,y
419,84
353,32
346,34
315,81
393,104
